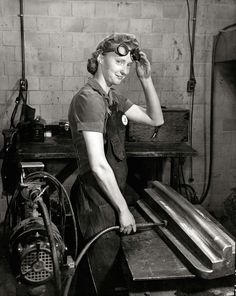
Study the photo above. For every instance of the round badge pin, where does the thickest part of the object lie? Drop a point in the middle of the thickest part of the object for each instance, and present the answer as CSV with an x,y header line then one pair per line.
x,y
124,120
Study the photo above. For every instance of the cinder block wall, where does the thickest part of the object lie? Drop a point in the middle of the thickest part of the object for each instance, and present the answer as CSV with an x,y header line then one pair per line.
x,y
60,35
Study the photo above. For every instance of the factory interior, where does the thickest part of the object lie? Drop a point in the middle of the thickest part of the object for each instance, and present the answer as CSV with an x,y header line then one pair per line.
x,y
181,184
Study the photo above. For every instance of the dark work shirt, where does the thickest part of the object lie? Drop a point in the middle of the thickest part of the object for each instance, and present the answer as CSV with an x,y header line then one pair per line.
x,y
87,112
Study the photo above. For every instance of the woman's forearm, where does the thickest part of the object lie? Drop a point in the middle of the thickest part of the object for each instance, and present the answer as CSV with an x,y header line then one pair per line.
x,y
153,106
107,181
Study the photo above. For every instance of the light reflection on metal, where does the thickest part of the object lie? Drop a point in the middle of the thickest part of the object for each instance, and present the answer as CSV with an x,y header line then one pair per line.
x,y
203,244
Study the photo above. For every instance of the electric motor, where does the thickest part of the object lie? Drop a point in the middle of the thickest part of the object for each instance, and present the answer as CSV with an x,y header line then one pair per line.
x,y
30,250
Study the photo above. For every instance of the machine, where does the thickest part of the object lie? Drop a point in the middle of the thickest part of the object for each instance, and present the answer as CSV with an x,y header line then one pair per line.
x,y
38,222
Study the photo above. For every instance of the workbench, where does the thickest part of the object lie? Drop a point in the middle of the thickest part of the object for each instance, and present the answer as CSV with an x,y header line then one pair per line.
x,y
153,268
60,151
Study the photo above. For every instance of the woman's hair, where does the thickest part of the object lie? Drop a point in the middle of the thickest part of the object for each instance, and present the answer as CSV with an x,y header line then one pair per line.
x,y
109,42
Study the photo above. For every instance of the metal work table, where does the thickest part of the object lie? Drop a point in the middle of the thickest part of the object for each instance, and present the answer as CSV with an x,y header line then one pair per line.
x,y
152,267
60,150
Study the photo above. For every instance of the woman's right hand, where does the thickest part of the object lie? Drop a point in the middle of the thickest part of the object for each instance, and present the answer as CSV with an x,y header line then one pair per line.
x,y
127,222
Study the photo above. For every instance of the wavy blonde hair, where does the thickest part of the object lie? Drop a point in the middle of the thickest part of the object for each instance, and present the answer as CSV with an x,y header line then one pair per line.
x,y
108,43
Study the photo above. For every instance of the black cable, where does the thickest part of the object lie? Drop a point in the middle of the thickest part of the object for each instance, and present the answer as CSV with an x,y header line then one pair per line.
x,y
192,79
22,38
47,224
43,174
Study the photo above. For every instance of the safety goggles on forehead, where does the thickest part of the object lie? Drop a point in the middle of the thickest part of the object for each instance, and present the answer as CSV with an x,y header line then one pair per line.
x,y
122,50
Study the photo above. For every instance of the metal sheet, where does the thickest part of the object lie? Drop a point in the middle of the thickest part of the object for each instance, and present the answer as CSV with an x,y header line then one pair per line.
x,y
206,248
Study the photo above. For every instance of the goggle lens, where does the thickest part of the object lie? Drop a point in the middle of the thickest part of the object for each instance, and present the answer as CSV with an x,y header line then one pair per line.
x,y
123,50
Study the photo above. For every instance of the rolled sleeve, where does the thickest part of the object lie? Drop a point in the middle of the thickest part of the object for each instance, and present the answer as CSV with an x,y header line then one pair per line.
x,y
89,112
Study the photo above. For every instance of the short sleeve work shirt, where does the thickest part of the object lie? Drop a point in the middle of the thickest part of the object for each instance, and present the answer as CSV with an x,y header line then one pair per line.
x,y
87,112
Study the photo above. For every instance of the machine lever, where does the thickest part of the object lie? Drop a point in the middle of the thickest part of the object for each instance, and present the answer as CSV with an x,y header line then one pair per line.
x,y
147,226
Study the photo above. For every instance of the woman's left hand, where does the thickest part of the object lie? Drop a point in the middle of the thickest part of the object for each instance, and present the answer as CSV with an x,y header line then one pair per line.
x,y
143,67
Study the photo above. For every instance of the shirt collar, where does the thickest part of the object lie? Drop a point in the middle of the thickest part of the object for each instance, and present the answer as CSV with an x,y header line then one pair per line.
x,y
97,87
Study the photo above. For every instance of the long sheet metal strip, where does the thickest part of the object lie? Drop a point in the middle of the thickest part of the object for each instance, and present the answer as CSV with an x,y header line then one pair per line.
x,y
209,250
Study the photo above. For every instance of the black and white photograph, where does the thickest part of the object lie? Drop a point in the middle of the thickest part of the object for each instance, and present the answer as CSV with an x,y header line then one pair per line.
x,y
117,147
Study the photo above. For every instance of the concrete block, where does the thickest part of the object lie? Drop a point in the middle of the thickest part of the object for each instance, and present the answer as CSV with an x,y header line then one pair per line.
x,y
4,83
202,56
96,25
11,38
174,11
151,40
2,69
136,97
33,83
151,10
36,39
83,8
141,25
73,83
180,83
61,97
57,69
72,24
83,40
13,83
173,98
110,9
60,9
80,69
121,26
10,8
30,23
65,109
72,54
204,41
61,40
134,84
163,26
51,113
62,69
50,97
88,53
163,83
36,7
49,54
222,11
173,69
99,37
129,9
6,23
50,83
181,26
157,69
13,68
40,97
38,69
31,53
158,55
49,24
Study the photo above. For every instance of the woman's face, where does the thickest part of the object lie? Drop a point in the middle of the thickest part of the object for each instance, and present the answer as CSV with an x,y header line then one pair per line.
x,y
115,68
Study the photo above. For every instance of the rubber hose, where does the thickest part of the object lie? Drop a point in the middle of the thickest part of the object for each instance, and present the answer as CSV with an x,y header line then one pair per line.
x,y
54,179
83,252
56,267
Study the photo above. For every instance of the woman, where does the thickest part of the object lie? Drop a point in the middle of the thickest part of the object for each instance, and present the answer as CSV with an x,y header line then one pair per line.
x,y
98,116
